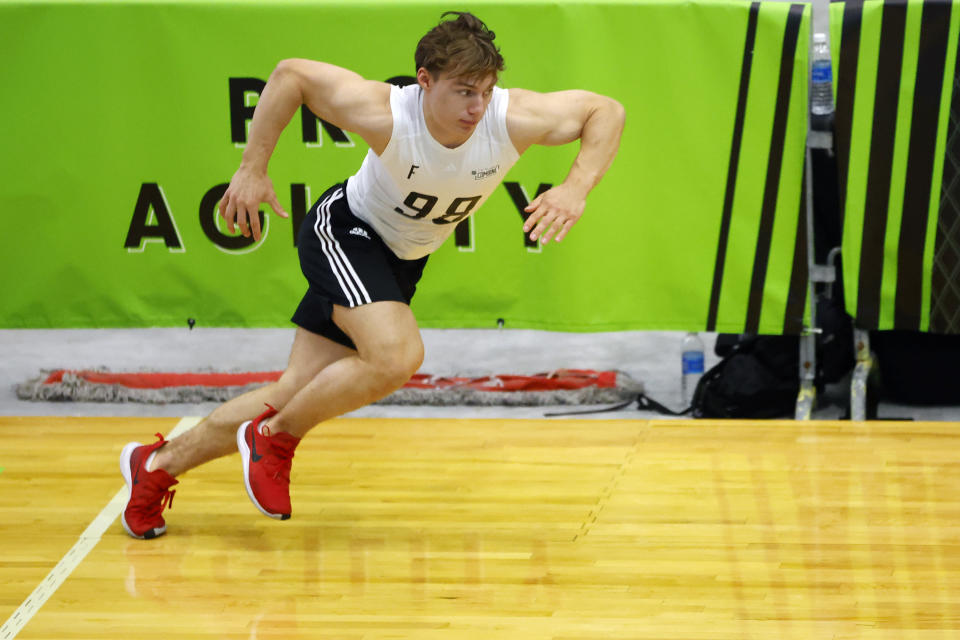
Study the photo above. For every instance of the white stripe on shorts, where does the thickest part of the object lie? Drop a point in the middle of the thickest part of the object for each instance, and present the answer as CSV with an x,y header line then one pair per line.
x,y
350,283
331,257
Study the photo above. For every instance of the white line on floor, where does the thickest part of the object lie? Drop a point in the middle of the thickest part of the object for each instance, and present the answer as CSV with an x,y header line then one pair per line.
x,y
87,541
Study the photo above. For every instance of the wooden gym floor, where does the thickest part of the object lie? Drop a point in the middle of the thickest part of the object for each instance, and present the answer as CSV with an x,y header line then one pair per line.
x,y
527,529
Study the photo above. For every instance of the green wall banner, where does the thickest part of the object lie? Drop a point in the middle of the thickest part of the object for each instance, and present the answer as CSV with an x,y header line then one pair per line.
x,y
898,148
123,123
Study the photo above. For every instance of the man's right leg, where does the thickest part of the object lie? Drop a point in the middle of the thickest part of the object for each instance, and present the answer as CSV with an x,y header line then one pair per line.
x,y
216,435
149,469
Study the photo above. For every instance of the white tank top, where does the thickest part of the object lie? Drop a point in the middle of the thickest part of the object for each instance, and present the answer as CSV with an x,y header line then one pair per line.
x,y
417,190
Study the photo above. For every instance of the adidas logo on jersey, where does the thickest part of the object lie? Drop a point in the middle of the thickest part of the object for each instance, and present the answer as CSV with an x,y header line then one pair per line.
x,y
358,231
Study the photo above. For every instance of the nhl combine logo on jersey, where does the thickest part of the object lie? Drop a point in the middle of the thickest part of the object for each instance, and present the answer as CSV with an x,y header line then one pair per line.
x,y
480,174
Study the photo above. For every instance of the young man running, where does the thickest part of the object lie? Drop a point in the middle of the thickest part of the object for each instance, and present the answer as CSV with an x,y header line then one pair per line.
x,y
438,149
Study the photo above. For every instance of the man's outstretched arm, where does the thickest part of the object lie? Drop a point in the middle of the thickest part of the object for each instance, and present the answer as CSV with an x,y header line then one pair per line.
x,y
560,118
337,95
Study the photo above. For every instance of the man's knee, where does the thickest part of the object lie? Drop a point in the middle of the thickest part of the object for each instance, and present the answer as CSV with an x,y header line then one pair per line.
x,y
387,338
395,363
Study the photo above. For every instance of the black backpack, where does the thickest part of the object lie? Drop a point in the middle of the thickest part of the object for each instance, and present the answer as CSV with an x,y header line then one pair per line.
x,y
757,378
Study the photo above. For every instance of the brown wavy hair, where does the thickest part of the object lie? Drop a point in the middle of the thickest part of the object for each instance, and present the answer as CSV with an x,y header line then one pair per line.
x,y
462,47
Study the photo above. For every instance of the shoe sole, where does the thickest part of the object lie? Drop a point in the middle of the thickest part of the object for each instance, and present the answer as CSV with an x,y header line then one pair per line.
x,y
245,458
125,456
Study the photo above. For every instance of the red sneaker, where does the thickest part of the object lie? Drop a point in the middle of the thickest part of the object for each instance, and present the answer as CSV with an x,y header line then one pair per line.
x,y
149,491
266,465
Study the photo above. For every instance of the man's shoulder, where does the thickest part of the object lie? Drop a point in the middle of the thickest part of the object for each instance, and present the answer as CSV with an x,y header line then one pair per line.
x,y
523,122
523,107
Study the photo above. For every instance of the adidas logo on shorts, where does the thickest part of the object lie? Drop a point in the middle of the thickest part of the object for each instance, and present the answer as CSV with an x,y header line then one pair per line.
x,y
358,231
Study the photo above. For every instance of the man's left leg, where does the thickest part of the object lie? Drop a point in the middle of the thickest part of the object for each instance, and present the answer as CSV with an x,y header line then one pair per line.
x,y
389,352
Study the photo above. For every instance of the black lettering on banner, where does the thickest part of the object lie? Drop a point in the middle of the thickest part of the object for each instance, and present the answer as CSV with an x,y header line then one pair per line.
x,y
240,113
311,135
208,221
457,211
150,199
461,234
413,202
520,201
401,81
298,208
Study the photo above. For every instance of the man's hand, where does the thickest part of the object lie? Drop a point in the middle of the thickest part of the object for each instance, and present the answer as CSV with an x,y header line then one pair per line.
x,y
553,212
560,118
241,202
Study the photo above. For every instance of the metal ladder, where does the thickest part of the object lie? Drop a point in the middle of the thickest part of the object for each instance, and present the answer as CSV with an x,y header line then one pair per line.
x,y
825,274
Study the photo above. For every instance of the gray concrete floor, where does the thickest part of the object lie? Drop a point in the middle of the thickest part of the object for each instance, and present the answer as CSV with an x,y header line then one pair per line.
x,y
652,358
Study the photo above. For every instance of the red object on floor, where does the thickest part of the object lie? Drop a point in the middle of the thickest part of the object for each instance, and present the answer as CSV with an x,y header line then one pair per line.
x,y
162,380
559,379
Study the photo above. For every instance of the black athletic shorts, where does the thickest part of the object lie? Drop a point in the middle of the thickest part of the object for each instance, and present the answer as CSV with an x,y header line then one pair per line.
x,y
346,263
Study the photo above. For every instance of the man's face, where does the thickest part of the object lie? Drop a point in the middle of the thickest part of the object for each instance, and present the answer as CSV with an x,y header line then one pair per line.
x,y
454,105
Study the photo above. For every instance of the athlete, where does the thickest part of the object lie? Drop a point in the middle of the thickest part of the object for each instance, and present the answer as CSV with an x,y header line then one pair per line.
x,y
438,148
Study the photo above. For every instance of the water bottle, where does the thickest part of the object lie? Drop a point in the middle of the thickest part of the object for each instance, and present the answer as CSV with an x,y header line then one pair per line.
x,y
821,82
692,366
